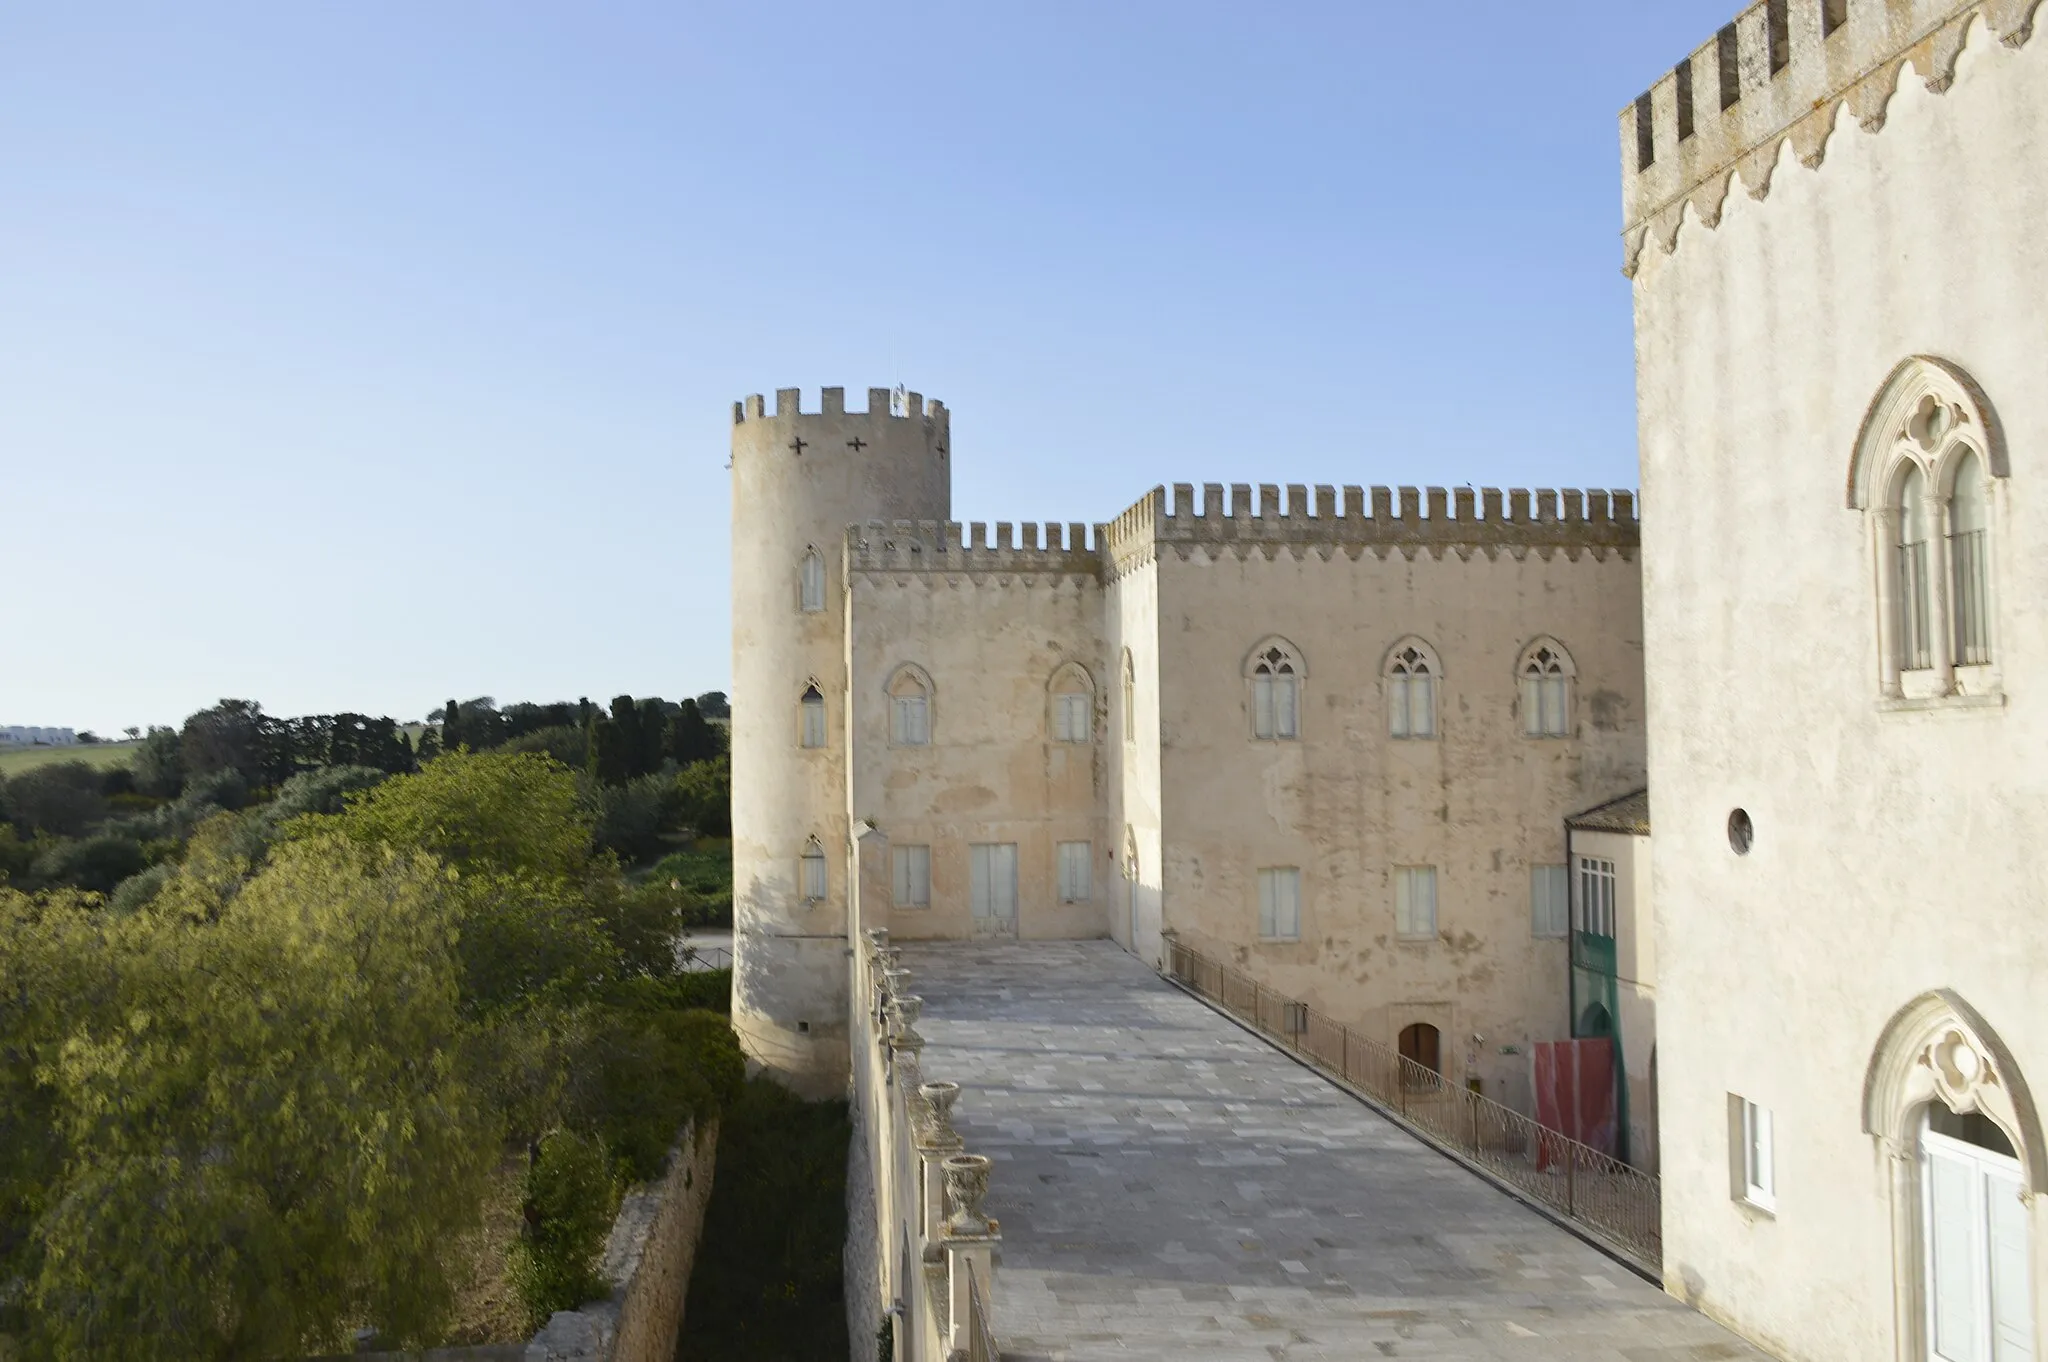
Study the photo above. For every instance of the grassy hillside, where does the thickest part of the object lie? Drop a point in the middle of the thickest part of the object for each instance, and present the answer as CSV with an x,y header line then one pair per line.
x,y
15,760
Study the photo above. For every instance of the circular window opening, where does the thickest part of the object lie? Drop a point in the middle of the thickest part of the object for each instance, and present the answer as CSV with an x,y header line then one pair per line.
x,y
1741,832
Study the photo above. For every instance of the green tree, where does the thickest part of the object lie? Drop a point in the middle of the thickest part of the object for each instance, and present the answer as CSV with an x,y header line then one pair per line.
x,y
159,764
704,797
714,705
653,736
428,747
692,737
62,799
611,753
267,1133
228,737
495,811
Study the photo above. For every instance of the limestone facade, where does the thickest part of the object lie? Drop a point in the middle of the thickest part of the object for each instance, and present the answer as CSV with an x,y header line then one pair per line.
x,y
1181,721
1841,408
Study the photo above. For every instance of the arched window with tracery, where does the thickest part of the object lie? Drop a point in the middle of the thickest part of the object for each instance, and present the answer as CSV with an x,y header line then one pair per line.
x,y
910,707
1926,471
1275,671
811,581
811,712
1546,675
1072,693
1412,673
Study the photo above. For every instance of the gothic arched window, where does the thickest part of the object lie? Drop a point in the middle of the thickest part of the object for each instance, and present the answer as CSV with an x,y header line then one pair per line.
x,y
1546,676
1412,675
812,711
1275,671
811,581
1130,681
910,707
1926,471
1073,704
811,871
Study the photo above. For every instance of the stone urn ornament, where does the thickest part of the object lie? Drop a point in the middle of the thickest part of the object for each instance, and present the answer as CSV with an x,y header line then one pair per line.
x,y
966,1189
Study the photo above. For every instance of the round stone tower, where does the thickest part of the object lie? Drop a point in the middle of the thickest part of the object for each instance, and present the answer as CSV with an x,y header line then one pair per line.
x,y
799,480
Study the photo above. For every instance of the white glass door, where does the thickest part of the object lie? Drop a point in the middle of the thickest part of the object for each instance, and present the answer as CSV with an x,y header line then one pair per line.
x,y
1976,1254
993,875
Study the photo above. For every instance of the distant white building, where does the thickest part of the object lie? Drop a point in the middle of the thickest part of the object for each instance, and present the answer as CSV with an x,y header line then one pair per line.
x,y
22,736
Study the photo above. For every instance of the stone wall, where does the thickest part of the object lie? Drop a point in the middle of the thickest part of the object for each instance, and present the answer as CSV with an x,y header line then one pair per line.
x,y
648,1259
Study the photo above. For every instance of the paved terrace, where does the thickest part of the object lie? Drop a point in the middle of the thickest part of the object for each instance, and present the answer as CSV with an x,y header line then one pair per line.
x,y
1170,1186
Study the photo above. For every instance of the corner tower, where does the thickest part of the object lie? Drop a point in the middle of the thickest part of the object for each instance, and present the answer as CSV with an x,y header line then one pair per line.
x,y
798,480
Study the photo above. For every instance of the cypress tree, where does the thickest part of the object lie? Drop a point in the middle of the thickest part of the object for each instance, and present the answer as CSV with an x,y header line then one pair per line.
x,y
653,736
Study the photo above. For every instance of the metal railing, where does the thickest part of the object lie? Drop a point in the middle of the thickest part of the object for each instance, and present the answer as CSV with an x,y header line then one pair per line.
x,y
981,1338
1617,1204
703,959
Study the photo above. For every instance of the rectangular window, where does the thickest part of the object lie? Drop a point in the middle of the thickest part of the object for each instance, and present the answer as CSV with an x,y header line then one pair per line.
x,y
1280,903
1072,717
911,721
1275,712
1412,711
1973,634
813,582
1550,911
1076,881
1753,1161
1596,896
1915,648
1415,901
814,722
913,876
993,874
813,873
1544,702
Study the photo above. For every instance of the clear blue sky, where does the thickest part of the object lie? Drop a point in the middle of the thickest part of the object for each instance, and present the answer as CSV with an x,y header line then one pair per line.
x,y
356,356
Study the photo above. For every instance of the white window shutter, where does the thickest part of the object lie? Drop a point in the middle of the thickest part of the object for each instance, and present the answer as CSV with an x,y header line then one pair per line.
x,y
1953,1217
1262,707
1268,918
1286,708
2012,1324
979,889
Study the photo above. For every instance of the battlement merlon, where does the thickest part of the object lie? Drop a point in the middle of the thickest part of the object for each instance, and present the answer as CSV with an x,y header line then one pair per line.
x,y
1782,70
892,546
832,406
1299,514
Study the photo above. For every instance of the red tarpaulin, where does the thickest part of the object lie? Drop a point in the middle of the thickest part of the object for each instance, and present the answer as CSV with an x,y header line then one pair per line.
x,y
1574,1081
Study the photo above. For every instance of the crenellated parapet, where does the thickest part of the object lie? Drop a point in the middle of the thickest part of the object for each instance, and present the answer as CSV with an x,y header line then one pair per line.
x,y
1782,71
888,403
1029,548
1379,519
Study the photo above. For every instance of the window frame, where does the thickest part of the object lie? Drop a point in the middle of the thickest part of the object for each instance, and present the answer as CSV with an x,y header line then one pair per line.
x,y
1756,1161
810,708
1071,697
1409,661
1130,697
814,875
1271,880
1273,670
1067,856
901,706
1545,682
1552,883
1406,878
1929,422
811,573
910,866
1599,888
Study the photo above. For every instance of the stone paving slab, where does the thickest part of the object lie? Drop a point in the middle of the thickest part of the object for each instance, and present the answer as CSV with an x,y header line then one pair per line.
x,y
1171,1186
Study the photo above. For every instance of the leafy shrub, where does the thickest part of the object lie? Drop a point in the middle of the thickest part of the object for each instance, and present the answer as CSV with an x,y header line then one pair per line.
x,y
62,799
704,990
631,816
644,1072
641,921
97,864
571,1196
137,892
567,743
701,880
704,794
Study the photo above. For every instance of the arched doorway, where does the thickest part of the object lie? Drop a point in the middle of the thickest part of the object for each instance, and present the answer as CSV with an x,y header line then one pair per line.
x,y
1950,1106
1420,1046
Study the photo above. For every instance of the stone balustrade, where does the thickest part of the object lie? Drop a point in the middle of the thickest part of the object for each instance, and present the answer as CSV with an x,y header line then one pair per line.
x,y
918,1229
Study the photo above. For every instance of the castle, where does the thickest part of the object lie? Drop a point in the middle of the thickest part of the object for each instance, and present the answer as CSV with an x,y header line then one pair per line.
x,y
1331,735
1345,742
